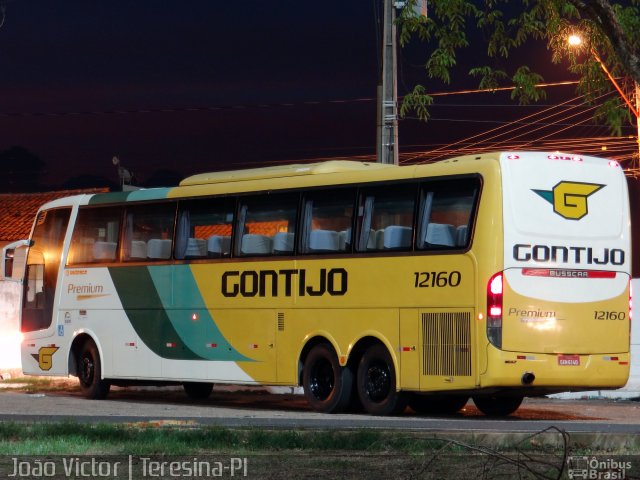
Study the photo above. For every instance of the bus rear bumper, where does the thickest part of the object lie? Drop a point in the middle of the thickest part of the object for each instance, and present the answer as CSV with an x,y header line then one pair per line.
x,y
566,372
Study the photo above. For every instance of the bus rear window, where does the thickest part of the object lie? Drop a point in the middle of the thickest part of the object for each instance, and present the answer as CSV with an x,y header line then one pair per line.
x,y
386,218
446,214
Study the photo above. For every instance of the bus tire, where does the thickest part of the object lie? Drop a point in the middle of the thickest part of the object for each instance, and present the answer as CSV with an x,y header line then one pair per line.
x,y
376,383
497,406
89,367
327,385
198,390
437,404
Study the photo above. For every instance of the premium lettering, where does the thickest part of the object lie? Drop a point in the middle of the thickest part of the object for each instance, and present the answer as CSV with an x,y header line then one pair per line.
x,y
560,254
90,288
273,283
532,313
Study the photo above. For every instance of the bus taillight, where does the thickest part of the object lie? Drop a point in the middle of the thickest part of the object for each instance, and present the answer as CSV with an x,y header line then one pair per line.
x,y
494,310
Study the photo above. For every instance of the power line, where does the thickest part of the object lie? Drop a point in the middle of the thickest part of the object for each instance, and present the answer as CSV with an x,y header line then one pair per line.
x,y
207,108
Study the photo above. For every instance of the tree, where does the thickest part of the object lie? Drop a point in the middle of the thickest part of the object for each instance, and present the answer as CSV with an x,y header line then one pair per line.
x,y
21,170
612,29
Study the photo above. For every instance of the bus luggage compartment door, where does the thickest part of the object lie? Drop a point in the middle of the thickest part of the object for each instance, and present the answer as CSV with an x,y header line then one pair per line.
x,y
443,358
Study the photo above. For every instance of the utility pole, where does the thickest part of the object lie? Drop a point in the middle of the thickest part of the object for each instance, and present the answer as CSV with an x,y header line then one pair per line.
x,y
387,135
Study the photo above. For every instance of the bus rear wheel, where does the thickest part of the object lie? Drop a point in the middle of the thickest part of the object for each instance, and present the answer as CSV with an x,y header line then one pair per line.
x,y
89,367
497,406
197,390
437,404
327,385
376,383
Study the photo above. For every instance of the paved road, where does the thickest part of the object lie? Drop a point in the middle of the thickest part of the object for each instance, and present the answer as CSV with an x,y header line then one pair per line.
x,y
261,409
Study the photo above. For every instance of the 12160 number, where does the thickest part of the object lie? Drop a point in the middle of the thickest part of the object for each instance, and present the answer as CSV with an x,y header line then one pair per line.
x,y
608,315
436,279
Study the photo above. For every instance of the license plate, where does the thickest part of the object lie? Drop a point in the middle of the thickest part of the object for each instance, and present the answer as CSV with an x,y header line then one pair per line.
x,y
569,360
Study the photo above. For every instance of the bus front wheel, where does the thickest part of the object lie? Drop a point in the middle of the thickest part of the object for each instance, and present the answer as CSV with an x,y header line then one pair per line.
x,y
327,385
90,372
497,406
376,383
197,390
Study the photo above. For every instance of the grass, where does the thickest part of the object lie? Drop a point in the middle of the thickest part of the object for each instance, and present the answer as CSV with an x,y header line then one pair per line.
x,y
352,454
113,439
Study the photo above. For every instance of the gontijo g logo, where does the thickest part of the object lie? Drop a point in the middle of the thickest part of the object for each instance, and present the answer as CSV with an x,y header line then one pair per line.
x,y
569,199
44,357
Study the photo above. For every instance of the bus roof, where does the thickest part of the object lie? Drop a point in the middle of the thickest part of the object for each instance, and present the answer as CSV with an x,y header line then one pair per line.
x,y
279,171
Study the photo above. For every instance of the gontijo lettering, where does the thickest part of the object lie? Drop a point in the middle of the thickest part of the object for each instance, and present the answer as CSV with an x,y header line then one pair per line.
x,y
272,283
523,252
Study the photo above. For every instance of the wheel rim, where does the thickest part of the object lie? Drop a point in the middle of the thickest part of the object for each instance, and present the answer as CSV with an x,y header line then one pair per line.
x,y
322,380
378,381
87,368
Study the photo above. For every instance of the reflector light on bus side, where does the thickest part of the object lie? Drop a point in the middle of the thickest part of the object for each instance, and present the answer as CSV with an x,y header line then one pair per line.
x,y
494,310
630,303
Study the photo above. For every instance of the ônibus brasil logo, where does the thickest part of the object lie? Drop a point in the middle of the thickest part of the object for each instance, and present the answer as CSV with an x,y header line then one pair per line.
x,y
569,199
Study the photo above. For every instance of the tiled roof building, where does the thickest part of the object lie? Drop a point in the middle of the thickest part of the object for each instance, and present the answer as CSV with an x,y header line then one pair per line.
x,y
17,211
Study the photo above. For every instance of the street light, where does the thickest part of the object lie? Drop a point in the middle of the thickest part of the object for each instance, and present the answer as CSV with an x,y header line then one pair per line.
x,y
575,40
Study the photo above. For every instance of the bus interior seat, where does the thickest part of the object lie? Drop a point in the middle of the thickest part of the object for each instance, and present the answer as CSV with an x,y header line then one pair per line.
x,y
324,241
461,235
372,240
396,236
104,250
219,245
283,242
83,251
255,244
442,234
380,239
138,249
159,248
344,238
196,247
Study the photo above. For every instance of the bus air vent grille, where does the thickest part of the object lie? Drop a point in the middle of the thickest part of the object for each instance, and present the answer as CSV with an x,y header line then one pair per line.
x,y
446,347
280,322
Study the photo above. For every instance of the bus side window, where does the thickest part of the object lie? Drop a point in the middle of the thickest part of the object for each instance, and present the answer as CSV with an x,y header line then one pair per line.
x,y
446,214
149,232
204,228
267,225
95,235
328,221
386,220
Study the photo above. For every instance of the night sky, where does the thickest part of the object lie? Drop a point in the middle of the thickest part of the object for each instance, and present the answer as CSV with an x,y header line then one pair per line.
x,y
187,86
198,85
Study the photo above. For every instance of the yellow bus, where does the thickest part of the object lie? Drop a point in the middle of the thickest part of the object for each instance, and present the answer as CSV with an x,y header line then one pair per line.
x,y
493,276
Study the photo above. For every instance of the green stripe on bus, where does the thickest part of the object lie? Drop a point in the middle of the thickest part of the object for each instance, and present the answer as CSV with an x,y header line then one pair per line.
x,y
146,313
194,324
146,296
148,194
132,196
113,197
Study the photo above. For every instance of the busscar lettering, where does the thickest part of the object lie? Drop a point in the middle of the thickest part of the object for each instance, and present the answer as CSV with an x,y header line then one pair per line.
x,y
523,252
273,283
